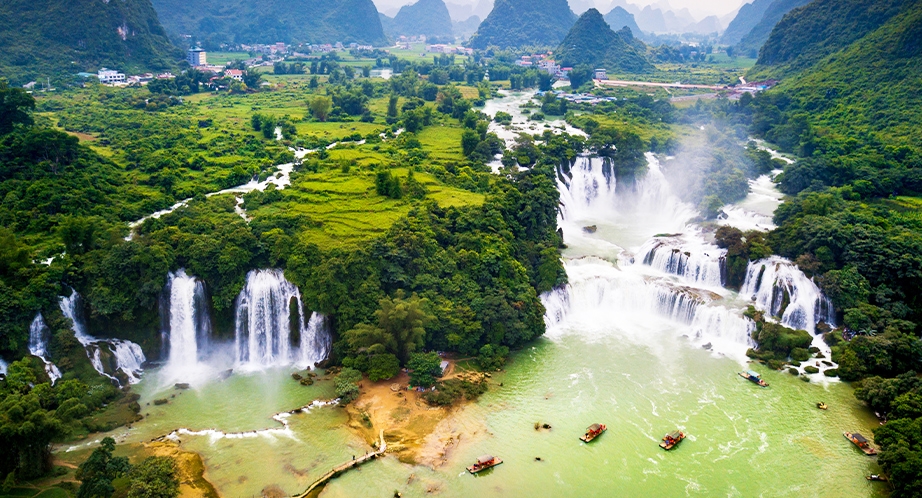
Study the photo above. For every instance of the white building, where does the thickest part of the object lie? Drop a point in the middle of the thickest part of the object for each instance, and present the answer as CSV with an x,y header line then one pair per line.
x,y
600,74
109,76
196,57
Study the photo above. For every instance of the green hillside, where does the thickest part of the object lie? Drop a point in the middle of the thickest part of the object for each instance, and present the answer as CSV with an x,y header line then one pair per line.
x,y
753,41
869,90
425,17
521,23
592,42
810,33
268,21
44,38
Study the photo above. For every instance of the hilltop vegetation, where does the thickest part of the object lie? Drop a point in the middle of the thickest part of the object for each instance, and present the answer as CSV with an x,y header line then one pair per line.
x,y
522,23
47,38
591,42
425,17
213,22
807,35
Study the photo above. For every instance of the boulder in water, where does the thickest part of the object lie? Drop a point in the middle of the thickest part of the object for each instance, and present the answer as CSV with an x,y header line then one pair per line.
x,y
181,385
590,229
707,346
161,401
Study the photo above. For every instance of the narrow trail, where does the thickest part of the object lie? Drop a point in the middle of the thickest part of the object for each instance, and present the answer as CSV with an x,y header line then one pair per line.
x,y
355,462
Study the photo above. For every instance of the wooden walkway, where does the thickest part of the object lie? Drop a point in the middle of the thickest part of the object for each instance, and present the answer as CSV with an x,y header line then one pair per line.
x,y
382,447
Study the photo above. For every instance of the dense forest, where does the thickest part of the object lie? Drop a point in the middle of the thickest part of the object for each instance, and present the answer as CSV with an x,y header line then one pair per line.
x,y
48,38
213,22
523,23
592,42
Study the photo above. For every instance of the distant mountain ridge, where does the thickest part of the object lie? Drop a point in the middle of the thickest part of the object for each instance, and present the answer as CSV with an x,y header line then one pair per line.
x,y
521,23
753,41
425,17
619,18
268,21
48,37
592,42
748,16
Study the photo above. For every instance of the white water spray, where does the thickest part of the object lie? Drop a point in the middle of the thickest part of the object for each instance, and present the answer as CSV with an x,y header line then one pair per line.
x,y
639,300
128,356
188,324
265,324
39,333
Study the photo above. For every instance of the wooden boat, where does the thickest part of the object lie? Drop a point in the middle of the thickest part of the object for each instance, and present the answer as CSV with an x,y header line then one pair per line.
x,y
672,439
876,477
821,405
592,432
484,463
753,377
861,442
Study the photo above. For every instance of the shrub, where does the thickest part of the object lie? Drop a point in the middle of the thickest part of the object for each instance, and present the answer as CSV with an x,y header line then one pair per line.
x,y
811,369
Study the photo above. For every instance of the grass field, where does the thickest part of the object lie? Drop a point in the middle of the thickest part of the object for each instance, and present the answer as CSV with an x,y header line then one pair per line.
x,y
221,58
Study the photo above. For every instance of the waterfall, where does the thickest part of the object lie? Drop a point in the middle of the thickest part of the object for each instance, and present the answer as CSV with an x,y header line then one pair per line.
x,y
267,333
613,292
590,192
600,295
39,333
187,324
127,355
698,264
3,367
777,286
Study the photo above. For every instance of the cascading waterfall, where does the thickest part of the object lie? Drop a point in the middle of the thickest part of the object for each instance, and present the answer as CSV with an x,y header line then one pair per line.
x,y
128,356
188,323
267,333
633,298
698,264
39,333
777,286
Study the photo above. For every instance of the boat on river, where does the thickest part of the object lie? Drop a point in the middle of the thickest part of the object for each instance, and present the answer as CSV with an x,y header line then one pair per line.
x,y
754,377
592,432
672,439
822,406
861,442
876,477
483,463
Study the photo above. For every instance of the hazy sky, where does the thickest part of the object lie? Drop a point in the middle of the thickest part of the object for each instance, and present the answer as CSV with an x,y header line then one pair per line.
x,y
699,8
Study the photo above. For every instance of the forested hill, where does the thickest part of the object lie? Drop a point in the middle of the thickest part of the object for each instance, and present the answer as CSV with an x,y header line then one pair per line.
x,y
592,42
619,18
425,17
748,16
810,33
867,92
753,41
42,38
213,22
521,23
